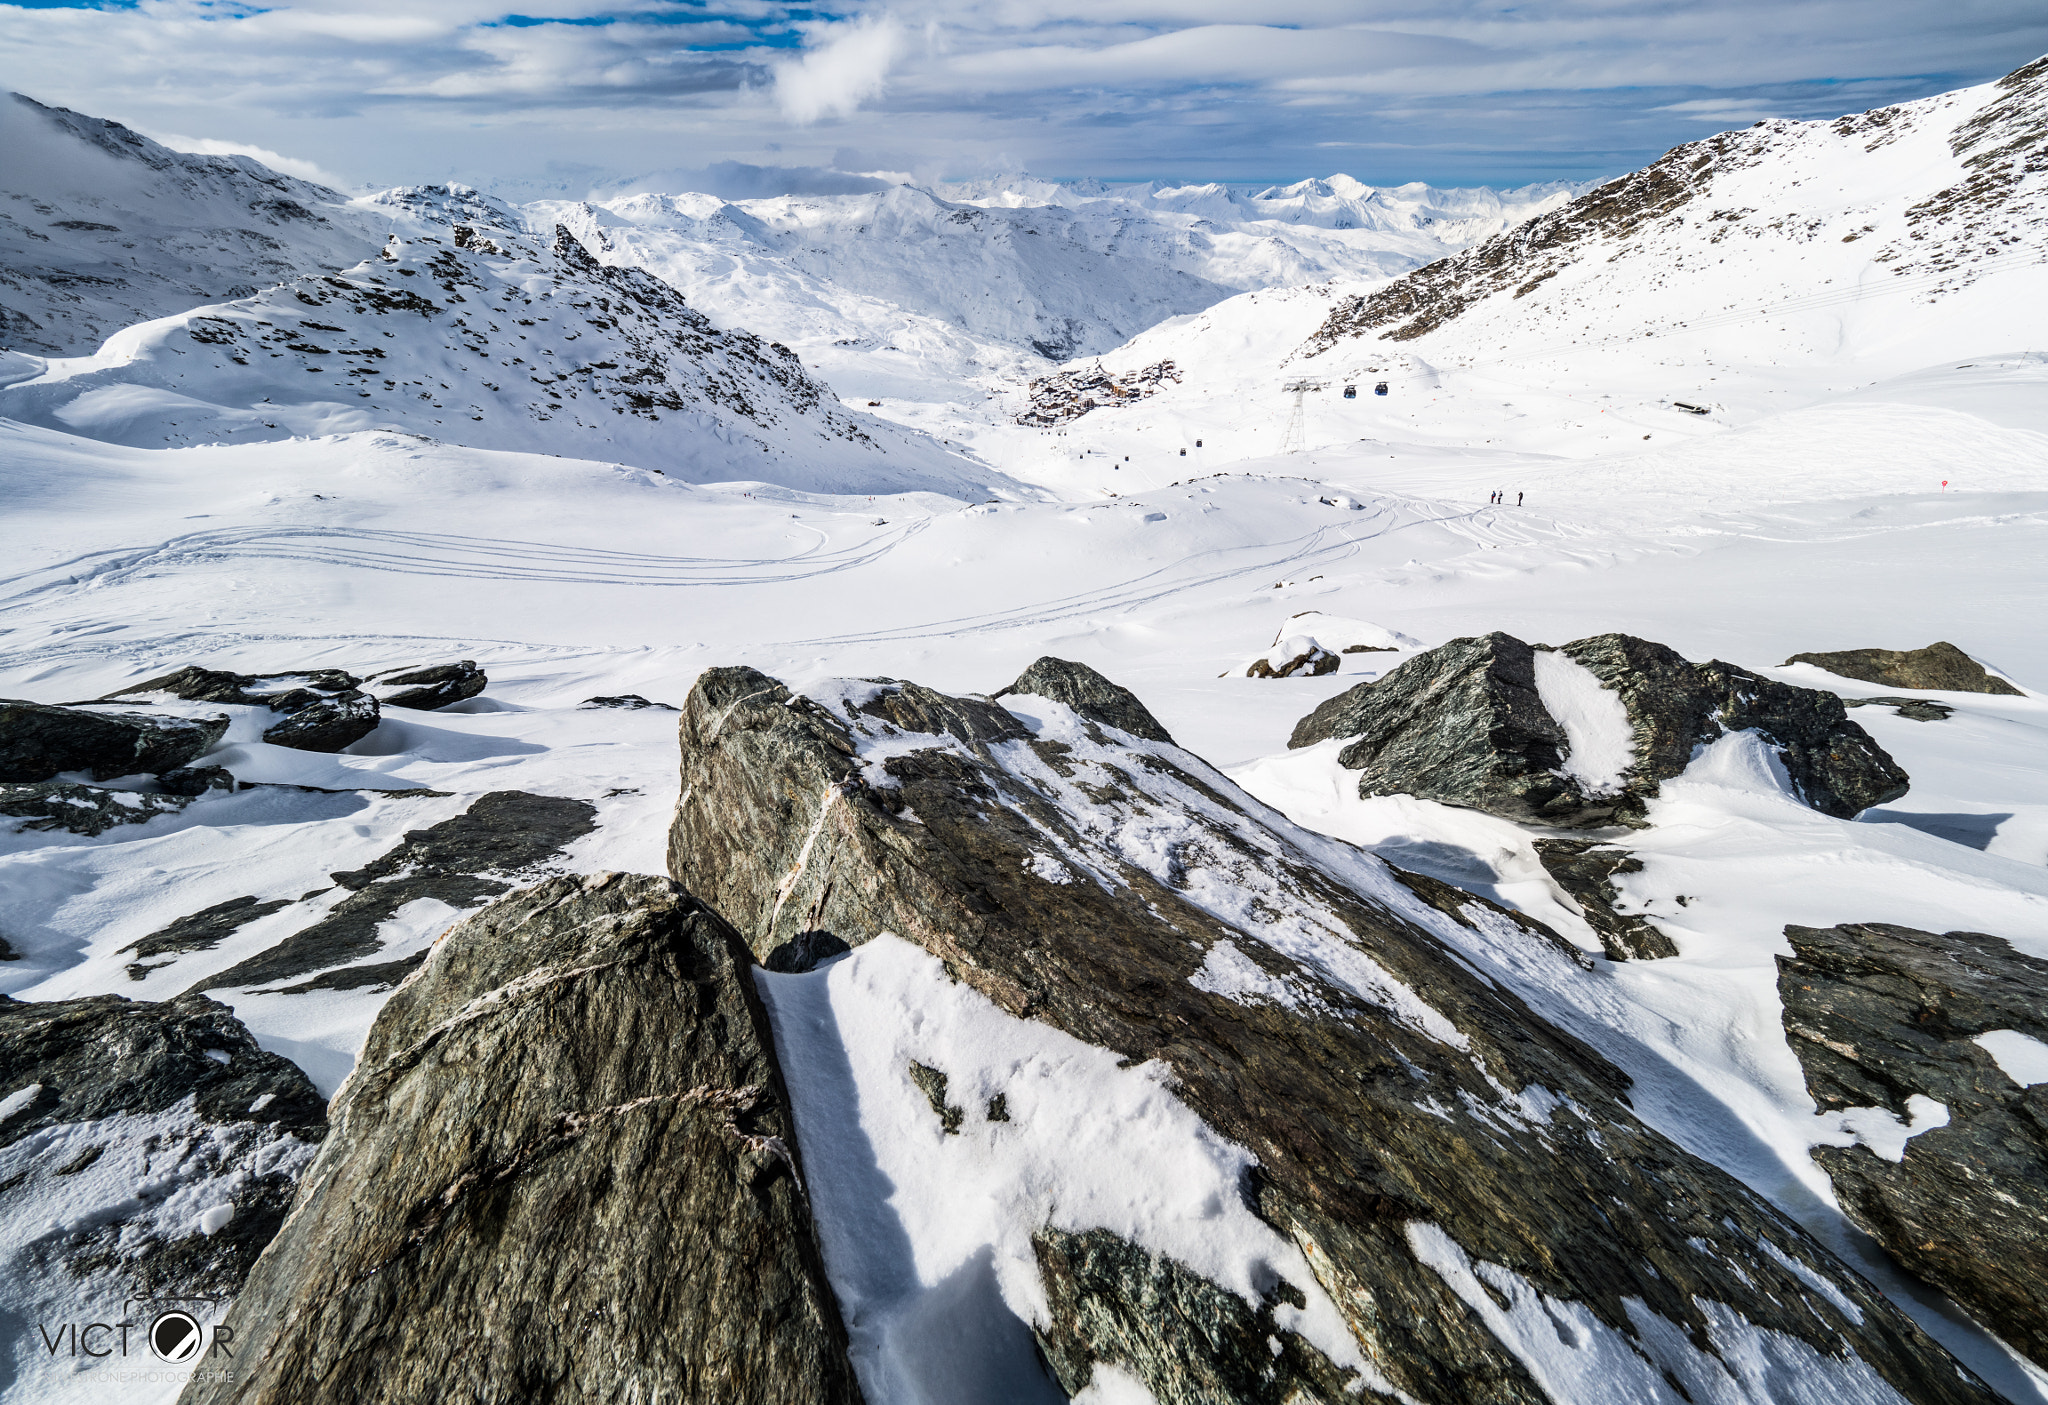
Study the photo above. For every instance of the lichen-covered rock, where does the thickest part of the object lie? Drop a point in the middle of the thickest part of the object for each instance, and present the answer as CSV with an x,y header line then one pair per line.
x,y
562,1170
1420,1133
1468,724
131,1119
429,689
1586,870
84,809
1090,694
1881,1015
38,740
1940,667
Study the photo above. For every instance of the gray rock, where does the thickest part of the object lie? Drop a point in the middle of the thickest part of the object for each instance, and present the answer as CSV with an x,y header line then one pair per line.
x,y
251,1121
1090,694
1585,870
322,722
502,838
199,931
1913,709
1940,667
1367,1126
38,740
195,781
1878,1013
324,709
561,1171
1464,724
632,702
84,809
1314,663
429,689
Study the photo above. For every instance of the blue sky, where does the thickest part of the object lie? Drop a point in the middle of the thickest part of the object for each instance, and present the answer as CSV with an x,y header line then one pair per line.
x,y
568,96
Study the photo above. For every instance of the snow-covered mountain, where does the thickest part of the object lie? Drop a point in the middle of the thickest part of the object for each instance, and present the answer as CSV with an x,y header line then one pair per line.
x,y
100,227
481,334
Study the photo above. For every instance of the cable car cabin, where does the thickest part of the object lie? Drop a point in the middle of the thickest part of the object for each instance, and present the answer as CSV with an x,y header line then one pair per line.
x,y
1350,392
1380,389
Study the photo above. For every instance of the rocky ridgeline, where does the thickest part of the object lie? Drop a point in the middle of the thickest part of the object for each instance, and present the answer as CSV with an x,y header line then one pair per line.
x,y
1411,1121
1882,1017
1065,396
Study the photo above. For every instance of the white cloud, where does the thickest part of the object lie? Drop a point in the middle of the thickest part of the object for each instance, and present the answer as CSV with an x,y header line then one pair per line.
x,y
277,161
835,78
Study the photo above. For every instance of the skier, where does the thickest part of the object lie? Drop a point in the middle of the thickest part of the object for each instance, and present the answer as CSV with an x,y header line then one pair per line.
x,y
1518,500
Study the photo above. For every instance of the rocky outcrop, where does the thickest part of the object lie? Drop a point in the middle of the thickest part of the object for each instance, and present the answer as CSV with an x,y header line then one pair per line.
x,y
323,709
1940,667
1913,709
156,1140
630,702
1586,871
38,740
429,689
1469,723
1409,1117
1881,1016
503,837
566,1154
83,809
1296,657
1090,694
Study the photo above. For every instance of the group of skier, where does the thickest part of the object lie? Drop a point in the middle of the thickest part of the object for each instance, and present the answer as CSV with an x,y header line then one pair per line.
x,y
1500,496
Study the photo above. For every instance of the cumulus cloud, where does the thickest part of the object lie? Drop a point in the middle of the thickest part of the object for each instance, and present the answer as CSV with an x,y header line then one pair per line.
x,y
850,66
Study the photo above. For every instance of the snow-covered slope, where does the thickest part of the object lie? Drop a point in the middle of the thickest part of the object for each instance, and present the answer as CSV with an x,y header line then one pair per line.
x,y
101,227
1893,237
483,335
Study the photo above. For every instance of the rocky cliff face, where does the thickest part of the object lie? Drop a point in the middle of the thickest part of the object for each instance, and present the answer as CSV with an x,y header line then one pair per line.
x,y
1584,734
1886,1018
1472,1199
562,1170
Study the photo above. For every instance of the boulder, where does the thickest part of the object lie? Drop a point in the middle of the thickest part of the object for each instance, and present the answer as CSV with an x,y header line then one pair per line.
x,y
1940,667
323,709
90,810
1297,656
38,740
1428,1149
1912,709
428,689
563,1169
1090,694
1586,871
1883,1017
1489,722
631,702
129,1122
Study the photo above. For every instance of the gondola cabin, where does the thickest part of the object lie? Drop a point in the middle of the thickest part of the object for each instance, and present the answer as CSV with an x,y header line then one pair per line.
x,y
1350,392
1380,389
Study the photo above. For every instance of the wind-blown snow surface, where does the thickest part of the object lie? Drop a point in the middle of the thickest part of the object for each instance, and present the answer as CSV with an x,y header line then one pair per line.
x,y
1874,474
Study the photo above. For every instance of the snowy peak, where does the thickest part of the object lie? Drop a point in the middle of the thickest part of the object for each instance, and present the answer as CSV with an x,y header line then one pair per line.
x,y
440,206
1925,198
101,227
486,336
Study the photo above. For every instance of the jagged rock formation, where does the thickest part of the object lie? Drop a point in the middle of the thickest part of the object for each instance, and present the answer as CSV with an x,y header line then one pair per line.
x,y
84,809
1482,722
582,1067
1940,667
322,709
1586,871
1090,694
1408,1117
155,1141
38,740
1880,1015
429,689
502,838
1065,396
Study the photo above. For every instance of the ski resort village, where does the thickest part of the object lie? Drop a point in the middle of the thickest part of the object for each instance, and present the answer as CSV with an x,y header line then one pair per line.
x,y
667,735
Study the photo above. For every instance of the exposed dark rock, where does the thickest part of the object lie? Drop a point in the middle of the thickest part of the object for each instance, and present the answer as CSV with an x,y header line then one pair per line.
x,y
1370,649
428,689
195,781
932,1084
324,708
253,1118
1468,910
378,975
200,931
631,701
84,809
1879,1013
1424,1097
38,740
1090,694
1586,869
503,837
1940,667
565,1152
1465,724
1913,709
1312,662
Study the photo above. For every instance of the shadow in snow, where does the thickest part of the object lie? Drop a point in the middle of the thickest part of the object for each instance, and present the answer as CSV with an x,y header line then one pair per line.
x,y
1975,831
